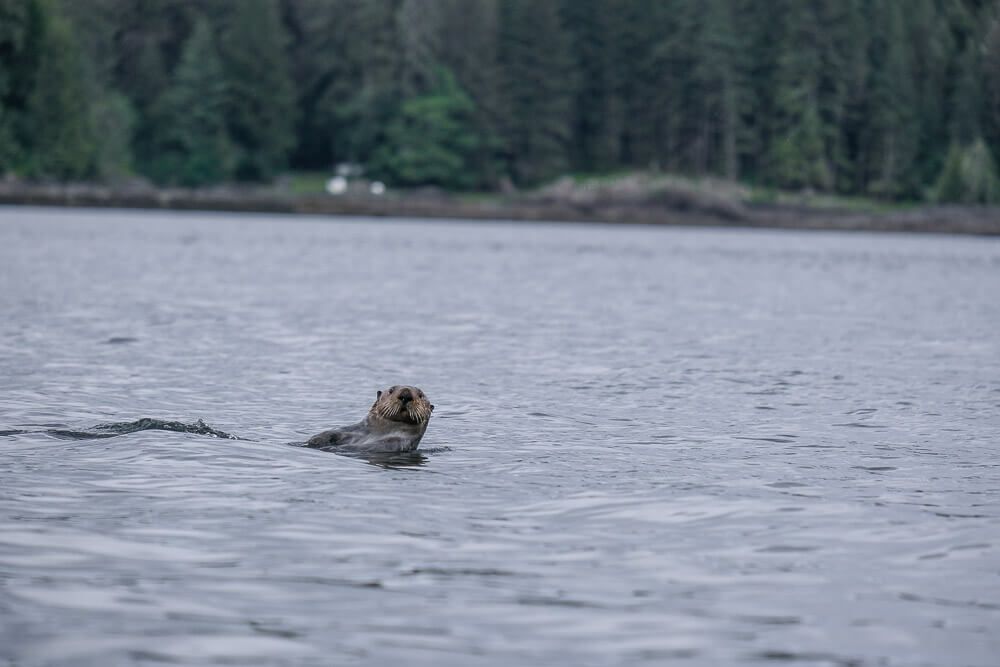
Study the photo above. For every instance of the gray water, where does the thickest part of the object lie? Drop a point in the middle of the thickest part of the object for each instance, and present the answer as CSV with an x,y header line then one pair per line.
x,y
650,445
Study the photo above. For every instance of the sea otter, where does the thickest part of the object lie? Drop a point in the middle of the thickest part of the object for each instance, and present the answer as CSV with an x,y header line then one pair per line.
x,y
395,423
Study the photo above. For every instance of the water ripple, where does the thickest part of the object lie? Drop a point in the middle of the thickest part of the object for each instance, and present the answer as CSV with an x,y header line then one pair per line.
x,y
650,444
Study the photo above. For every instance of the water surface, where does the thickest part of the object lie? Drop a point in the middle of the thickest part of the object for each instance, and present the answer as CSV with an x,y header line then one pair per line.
x,y
650,445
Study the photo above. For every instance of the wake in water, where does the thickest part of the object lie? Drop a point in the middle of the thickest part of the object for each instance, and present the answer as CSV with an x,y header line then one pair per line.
x,y
101,431
145,424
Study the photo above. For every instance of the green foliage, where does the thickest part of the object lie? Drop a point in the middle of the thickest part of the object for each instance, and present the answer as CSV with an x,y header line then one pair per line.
x,y
991,92
260,100
969,176
346,61
596,119
113,120
9,149
534,79
432,140
892,132
145,80
847,97
467,45
799,157
17,64
59,138
192,147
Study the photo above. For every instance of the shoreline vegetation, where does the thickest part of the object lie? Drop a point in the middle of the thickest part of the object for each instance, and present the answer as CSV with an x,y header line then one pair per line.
x,y
886,113
635,198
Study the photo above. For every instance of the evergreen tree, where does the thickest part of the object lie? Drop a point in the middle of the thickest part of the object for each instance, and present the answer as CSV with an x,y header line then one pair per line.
x,y
432,141
596,115
967,97
892,135
192,146
798,152
763,29
716,90
367,112
857,96
113,116
932,81
642,80
21,26
260,99
420,26
969,176
326,63
146,38
536,90
843,76
59,140
113,120
151,81
468,48
991,92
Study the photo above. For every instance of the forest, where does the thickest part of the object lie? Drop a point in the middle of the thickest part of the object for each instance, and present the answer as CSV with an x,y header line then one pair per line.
x,y
891,99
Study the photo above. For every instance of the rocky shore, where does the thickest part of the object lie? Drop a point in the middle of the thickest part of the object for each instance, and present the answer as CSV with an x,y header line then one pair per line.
x,y
623,201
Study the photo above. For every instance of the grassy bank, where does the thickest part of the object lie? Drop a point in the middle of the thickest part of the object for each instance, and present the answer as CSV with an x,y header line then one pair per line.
x,y
639,198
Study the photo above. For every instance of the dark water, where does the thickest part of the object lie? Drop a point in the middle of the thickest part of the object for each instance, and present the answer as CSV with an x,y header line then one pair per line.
x,y
650,445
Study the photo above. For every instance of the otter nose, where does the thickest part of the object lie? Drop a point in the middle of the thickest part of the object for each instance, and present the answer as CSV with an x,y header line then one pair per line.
x,y
405,395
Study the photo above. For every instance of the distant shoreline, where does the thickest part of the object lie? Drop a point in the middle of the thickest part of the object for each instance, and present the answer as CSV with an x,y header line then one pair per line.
x,y
672,208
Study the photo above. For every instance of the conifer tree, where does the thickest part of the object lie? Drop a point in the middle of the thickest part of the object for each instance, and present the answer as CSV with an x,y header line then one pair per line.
x,y
892,136
969,176
20,41
798,151
59,137
932,80
845,40
260,99
96,26
762,30
536,89
468,48
420,26
370,110
991,92
113,121
642,80
716,87
192,147
857,96
967,97
596,109
327,64
432,141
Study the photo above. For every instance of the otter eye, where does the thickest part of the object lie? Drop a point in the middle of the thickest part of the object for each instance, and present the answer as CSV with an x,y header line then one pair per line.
x,y
420,394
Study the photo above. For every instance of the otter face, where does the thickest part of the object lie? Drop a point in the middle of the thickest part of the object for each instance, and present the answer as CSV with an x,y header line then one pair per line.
x,y
402,403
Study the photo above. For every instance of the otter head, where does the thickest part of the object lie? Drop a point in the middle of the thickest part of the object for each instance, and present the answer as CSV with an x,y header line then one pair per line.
x,y
402,403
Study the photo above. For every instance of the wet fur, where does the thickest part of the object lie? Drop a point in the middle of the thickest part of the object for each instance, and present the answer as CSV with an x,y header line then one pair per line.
x,y
391,425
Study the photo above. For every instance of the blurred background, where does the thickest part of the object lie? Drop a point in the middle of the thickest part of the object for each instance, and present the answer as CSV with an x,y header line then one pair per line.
x,y
887,99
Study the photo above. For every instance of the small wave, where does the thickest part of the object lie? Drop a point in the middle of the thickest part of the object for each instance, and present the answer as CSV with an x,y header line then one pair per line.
x,y
435,450
413,459
145,424
397,460
120,340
